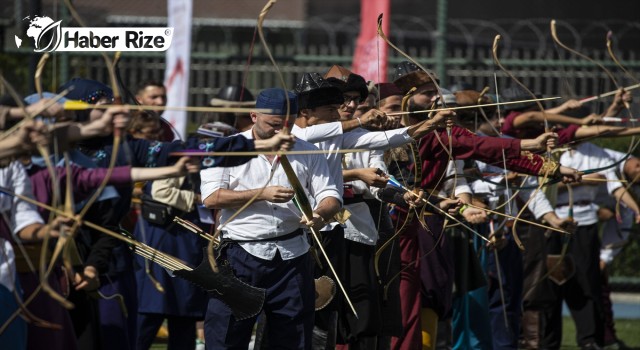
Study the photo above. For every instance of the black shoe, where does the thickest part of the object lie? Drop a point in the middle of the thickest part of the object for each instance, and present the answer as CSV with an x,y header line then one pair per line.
x,y
590,346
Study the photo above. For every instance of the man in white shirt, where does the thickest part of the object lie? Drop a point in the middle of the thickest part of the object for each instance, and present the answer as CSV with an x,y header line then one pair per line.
x,y
582,292
268,248
320,105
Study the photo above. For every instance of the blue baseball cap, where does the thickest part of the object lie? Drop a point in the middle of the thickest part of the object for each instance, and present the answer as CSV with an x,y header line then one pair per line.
x,y
33,98
276,100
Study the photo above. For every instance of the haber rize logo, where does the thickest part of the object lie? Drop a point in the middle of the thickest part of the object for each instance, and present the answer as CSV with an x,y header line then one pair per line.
x,y
48,35
38,29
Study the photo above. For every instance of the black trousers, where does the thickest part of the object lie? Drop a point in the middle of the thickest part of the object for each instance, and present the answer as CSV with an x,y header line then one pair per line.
x,y
581,292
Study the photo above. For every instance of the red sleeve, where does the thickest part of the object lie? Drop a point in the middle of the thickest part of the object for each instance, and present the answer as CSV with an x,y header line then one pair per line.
x,y
434,153
86,180
528,163
567,134
520,133
467,145
507,124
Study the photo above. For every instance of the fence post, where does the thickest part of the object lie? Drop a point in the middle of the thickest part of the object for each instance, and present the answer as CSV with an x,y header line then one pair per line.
x,y
441,41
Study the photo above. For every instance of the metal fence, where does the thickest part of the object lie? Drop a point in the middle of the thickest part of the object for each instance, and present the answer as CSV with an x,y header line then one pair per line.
x,y
220,54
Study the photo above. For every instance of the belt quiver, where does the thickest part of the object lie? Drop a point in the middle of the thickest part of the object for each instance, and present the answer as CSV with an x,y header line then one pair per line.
x,y
244,300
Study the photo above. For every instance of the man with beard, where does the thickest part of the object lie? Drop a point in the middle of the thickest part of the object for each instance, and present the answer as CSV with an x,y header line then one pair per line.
x,y
428,283
320,106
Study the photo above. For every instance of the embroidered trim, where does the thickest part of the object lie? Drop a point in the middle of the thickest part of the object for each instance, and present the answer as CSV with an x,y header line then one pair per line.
x,y
549,167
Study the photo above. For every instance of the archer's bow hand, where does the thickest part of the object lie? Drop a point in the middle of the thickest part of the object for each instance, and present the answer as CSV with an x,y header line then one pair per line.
x,y
32,134
187,165
279,142
56,110
441,119
569,175
451,205
60,225
540,143
474,215
88,280
105,122
415,198
567,224
316,223
372,177
375,119
620,101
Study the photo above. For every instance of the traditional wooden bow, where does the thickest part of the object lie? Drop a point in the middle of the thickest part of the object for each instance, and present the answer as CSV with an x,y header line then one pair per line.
x,y
300,195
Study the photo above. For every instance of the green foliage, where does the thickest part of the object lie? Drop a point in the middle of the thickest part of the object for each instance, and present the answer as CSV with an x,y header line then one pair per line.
x,y
620,144
15,71
15,68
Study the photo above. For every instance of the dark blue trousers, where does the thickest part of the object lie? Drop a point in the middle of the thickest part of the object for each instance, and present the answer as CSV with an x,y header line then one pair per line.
x,y
289,306
182,331
505,335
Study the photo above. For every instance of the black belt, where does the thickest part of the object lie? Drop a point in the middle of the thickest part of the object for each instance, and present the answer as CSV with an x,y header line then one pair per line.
x,y
357,198
584,203
293,234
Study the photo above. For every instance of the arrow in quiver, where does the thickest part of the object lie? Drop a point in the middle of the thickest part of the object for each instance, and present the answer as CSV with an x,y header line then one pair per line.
x,y
244,300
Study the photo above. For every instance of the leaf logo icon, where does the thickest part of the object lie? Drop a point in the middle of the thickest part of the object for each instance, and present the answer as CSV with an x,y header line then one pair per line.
x,y
55,32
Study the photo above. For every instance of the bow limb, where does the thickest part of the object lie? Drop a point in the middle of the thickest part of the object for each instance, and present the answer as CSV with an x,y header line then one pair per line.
x,y
261,18
300,196
382,35
117,137
494,51
116,132
64,243
446,220
566,237
616,61
216,235
631,146
44,152
554,35
307,212
417,176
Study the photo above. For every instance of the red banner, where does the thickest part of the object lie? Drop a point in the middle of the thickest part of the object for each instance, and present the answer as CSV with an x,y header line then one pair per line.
x,y
370,58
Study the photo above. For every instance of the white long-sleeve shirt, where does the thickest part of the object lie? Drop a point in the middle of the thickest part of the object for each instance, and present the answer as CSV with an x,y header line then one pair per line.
x,y
330,136
586,156
263,219
361,226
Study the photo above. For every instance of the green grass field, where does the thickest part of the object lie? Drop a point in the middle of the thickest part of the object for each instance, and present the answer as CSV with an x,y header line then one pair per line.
x,y
628,331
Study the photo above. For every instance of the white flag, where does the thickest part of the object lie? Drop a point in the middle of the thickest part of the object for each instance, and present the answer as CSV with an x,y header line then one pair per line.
x,y
176,76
